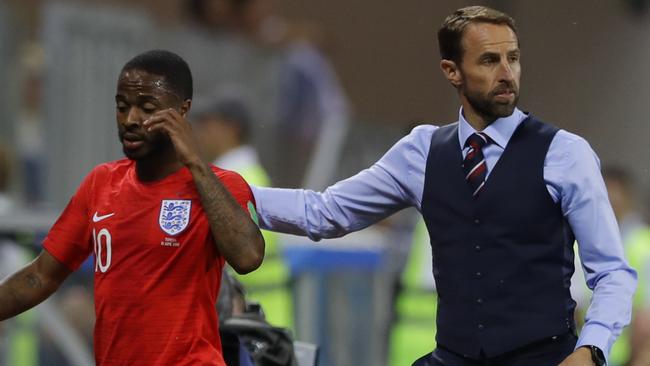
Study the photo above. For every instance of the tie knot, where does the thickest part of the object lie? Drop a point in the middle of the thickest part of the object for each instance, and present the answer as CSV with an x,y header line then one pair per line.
x,y
477,140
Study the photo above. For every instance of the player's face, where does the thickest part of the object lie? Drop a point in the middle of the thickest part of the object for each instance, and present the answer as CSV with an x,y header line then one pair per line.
x,y
490,70
139,95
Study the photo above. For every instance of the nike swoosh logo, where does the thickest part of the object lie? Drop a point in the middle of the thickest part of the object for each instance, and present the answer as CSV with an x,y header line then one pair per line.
x,y
97,218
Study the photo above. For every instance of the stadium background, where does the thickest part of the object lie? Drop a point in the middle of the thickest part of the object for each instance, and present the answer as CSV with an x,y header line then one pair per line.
x,y
369,73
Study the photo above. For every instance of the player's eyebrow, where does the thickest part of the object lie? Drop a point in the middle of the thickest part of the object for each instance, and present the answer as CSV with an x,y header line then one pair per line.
x,y
139,98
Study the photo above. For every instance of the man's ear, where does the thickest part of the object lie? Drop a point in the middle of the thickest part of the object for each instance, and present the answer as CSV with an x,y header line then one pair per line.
x,y
451,72
185,107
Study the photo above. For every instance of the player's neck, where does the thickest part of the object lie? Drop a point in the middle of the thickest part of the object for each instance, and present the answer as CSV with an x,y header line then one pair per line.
x,y
157,166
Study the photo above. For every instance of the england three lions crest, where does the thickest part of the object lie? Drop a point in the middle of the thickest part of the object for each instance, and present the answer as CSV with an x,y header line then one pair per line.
x,y
174,216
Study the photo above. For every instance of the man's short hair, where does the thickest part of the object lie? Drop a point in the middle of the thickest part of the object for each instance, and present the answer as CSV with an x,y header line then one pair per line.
x,y
450,34
167,64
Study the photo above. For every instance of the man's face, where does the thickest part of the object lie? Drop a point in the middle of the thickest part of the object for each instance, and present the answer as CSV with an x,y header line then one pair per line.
x,y
140,95
490,70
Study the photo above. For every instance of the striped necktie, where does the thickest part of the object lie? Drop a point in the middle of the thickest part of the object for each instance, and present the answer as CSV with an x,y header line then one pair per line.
x,y
474,164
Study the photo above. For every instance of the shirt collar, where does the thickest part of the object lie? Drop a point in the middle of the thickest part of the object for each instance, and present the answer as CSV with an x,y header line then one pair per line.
x,y
500,131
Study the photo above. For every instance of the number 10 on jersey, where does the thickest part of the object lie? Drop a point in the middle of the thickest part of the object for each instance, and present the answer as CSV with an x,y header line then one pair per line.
x,y
103,250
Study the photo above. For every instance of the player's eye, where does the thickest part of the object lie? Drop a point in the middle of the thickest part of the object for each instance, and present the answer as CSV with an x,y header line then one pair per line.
x,y
121,107
149,108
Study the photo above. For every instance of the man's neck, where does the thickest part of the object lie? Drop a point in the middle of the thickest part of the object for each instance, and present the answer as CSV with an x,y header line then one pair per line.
x,y
476,120
157,166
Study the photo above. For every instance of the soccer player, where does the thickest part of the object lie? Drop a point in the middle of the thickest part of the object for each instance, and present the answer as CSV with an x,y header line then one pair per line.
x,y
161,225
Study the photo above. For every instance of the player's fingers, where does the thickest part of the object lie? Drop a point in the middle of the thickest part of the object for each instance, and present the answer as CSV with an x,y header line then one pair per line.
x,y
166,116
153,123
174,126
159,128
171,114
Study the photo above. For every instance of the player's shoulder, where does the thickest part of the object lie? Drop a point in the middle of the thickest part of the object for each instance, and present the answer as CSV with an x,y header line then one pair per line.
x,y
230,179
112,168
235,184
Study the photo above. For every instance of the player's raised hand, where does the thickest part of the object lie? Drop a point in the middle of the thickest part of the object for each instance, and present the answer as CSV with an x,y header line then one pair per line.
x,y
172,123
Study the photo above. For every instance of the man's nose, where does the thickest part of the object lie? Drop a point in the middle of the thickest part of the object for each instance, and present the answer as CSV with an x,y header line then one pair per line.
x,y
133,118
505,71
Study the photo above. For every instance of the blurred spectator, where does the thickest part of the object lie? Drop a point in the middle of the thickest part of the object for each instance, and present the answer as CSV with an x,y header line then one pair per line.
x,y
311,102
223,131
222,127
414,329
638,253
240,16
5,169
29,129
635,239
634,345
622,196
18,343
5,206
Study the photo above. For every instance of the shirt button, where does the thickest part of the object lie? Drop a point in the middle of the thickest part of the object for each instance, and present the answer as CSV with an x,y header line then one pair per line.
x,y
477,248
479,301
480,327
478,274
477,221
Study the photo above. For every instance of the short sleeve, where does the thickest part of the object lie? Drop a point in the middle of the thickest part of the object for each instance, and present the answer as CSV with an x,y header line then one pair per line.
x,y
70,240
240,190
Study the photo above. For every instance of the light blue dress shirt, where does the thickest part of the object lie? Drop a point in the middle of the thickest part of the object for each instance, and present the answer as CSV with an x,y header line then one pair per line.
x,y
396,181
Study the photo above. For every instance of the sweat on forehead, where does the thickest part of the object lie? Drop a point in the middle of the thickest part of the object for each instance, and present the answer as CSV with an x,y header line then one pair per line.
x,y
141,78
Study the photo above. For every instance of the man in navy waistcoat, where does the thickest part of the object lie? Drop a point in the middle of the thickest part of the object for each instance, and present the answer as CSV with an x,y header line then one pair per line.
x,y
504,196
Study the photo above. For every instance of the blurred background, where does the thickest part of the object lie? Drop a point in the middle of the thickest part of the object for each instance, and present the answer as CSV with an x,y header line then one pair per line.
x,y
302,93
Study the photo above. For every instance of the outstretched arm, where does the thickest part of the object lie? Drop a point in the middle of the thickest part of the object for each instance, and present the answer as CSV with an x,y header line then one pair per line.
x,y
395,182
235,234
31,285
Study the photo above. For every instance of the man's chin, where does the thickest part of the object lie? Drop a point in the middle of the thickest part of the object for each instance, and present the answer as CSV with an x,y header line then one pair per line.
x,y
132,155
501,110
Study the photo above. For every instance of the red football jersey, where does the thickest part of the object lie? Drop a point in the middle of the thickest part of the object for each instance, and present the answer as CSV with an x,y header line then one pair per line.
x,y
157,270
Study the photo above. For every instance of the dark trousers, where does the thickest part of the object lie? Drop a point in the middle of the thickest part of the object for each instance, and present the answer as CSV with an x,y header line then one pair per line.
x,y
550,351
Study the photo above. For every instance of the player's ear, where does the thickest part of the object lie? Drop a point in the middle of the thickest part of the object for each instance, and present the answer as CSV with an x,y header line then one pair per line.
x,y
185,107
452,72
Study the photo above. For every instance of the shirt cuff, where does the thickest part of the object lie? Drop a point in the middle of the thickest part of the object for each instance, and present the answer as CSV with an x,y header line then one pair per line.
x,y
595,335
259,206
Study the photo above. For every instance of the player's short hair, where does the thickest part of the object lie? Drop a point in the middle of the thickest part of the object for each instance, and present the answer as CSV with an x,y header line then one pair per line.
x,y
450,34
167,64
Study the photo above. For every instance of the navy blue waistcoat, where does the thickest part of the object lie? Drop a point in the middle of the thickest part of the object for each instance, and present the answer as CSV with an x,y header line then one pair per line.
x,y
503,261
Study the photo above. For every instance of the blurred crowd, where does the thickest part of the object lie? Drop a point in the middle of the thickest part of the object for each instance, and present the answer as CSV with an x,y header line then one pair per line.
x,y
295,142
